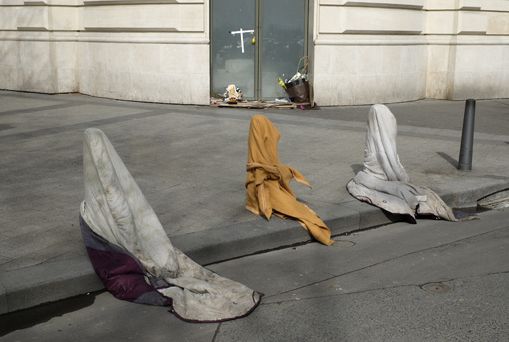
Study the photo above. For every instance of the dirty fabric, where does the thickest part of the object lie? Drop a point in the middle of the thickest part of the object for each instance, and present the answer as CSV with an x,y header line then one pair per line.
x,y
268,181
120,272
383,181
132,254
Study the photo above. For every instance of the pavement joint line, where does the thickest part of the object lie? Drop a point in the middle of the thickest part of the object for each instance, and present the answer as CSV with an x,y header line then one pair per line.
x,y
451,243
157,112
216,332
50,259
94,100
339,294
79,125
446,138
404,130
104,101
483,176
475,276
407,130
40,108
343,125
264,251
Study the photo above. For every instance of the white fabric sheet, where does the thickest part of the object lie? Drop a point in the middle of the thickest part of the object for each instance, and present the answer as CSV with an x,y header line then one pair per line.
x,y
115,208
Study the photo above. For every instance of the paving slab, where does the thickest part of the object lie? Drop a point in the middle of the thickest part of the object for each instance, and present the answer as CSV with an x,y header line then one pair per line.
x,y
21,104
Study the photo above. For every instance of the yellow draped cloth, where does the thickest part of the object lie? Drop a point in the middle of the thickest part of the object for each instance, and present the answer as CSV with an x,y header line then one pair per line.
x,y
268,181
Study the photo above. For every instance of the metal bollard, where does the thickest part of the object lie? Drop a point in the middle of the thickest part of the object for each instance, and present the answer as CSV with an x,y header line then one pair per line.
x,y
467,137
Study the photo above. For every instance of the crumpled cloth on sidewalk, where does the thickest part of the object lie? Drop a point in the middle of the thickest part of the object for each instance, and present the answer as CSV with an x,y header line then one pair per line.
x,y
383,181
268,181
132,254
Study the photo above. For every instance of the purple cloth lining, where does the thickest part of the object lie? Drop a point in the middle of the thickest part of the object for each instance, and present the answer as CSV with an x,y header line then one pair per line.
x,y
121,273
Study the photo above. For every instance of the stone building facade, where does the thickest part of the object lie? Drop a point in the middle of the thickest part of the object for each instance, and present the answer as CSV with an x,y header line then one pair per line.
x,y
361,52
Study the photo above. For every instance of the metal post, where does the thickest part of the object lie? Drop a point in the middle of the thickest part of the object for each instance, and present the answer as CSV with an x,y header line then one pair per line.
x,y
467,137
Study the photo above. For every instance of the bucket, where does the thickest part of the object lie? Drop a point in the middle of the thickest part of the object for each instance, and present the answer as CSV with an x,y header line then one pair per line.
x,y
298,91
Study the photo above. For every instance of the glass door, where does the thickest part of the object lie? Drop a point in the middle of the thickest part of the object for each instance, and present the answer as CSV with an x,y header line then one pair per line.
x,y
283,27
253,42
233,50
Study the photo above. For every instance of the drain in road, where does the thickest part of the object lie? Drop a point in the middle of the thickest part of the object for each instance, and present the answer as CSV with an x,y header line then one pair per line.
x,y
435,287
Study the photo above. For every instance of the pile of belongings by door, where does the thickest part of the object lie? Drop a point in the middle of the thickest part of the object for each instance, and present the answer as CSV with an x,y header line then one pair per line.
x,y
297,88
233,97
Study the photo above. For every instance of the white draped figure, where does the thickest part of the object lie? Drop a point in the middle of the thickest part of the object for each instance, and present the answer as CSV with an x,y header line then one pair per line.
x,y
383,181
131,252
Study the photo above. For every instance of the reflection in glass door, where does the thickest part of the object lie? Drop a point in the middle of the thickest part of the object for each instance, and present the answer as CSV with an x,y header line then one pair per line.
x,y
282,44
253,42
233,62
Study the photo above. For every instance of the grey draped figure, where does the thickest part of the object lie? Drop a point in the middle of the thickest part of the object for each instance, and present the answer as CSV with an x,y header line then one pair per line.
x,y
384,182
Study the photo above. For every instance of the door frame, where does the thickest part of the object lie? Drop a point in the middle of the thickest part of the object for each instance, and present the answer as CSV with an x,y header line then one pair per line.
x,y
308,37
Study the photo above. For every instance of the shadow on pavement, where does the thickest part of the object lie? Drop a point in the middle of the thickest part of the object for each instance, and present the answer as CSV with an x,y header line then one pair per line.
x,y
449,159
32,316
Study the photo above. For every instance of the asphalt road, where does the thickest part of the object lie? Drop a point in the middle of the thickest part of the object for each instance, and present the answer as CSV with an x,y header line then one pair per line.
x,y
433,281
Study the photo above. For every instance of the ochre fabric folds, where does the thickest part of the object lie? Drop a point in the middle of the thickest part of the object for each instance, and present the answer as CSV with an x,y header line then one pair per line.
x,y
268,181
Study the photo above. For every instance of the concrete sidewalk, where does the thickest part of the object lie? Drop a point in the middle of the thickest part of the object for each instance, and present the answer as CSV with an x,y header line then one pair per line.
x,y
190,163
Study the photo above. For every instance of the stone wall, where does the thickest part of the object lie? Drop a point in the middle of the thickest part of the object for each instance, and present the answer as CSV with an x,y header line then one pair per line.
x,y
364,51
368,51
38,49
126,49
